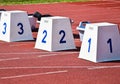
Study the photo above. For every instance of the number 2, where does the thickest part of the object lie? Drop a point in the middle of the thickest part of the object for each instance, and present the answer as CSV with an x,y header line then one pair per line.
x,y
62,40
45,35
63,36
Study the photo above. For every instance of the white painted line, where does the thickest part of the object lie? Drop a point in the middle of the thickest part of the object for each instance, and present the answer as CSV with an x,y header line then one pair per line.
x,y
62,67
47,55
103,67
35,74
42,55
48,67
8,59
55,54
22,53
17,58
37,53
19,44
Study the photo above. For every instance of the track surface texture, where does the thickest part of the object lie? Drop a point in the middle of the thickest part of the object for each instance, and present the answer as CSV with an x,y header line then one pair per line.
x,y
21,63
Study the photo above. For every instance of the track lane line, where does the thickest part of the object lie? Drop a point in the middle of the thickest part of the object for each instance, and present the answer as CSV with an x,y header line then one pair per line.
x,y
46,67
103,67
39,56
9,59
35,74
54,54
37,53
62,67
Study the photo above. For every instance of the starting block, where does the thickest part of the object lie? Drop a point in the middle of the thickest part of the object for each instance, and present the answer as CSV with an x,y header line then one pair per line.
x,y
101,42
81,29
32,22
55,33
1,13
15,26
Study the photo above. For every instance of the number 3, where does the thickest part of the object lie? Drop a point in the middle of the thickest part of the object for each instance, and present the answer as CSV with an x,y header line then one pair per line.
x,y
21,28
19,32
5,26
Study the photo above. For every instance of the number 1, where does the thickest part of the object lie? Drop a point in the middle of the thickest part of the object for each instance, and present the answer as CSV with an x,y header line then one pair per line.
x,y
89,41
110,44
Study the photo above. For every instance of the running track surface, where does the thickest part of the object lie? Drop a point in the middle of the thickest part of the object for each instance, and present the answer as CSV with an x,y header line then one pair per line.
x,y
21,63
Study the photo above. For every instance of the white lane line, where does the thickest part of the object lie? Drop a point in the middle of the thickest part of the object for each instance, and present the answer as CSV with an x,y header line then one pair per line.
x,y
63,67
35,74
9,59
54,54
47,67
36,53
19,44
103,67
23,53
47,55
44,55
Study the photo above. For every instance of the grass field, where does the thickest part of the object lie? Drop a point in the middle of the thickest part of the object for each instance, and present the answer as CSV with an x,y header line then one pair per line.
x,y
9,2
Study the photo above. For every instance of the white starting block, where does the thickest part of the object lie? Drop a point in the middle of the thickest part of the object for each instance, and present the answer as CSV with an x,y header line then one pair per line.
x,y
101,42
55,34
81,29
0,14
15,26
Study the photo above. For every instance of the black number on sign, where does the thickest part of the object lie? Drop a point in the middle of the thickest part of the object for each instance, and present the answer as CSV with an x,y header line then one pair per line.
x,y
63,36
110,44
21,28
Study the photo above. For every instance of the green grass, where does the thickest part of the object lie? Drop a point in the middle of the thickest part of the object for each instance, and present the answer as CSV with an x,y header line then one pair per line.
x,y
11,2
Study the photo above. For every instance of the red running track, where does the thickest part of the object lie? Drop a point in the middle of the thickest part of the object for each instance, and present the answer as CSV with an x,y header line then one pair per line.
x,y
21,63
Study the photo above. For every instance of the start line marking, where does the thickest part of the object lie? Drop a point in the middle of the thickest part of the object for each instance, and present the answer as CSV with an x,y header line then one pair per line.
x,y
35,74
